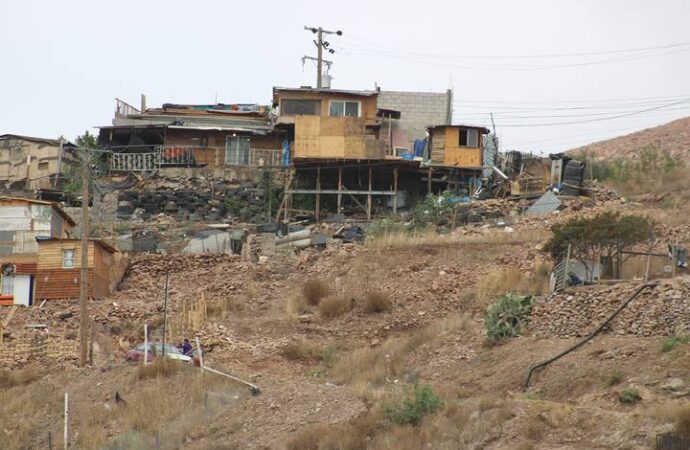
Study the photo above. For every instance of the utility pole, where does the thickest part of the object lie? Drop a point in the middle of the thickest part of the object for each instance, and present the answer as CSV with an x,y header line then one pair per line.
x,y
320,46
84,276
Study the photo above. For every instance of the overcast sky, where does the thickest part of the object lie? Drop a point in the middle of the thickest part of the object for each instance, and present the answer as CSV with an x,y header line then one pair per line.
x,y
532,63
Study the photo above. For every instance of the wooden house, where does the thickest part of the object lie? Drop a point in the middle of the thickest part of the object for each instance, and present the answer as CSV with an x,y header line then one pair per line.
x,y
330,123
456,145
40,260
58,269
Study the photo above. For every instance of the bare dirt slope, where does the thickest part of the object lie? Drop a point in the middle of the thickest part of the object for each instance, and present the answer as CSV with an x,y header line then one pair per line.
x,y
327,381
673,137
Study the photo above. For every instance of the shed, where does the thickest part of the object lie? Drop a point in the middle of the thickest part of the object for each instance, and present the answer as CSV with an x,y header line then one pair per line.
x,y
456,145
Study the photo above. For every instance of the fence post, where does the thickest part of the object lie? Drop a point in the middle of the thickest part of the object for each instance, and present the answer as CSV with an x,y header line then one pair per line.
x,y
567,264
146,344
201,354
66,430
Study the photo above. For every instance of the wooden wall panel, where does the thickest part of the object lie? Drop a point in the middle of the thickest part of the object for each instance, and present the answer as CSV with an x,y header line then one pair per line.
x,y
51,284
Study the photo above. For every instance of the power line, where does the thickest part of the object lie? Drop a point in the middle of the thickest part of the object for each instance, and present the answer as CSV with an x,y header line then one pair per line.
x,y
543,55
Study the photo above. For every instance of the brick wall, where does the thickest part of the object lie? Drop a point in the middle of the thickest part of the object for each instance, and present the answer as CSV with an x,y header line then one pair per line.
x,y
418,110
17,352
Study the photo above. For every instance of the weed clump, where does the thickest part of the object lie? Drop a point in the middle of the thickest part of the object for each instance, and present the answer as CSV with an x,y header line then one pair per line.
x,y
506,316
301,350
377,302
296,305
629,396
674,341
615,378
334,306
412,409
314,290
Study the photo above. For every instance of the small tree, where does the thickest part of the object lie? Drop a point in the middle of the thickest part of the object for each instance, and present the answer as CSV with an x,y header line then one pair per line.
x,y
607,234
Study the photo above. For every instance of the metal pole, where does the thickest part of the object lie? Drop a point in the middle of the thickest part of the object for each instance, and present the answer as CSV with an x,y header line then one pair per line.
x,y
318,194
66,429
84,275
146,343
395,189
319,56
340,188
165,313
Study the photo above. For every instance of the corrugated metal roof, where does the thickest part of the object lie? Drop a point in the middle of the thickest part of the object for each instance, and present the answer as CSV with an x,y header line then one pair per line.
x,y
483,129
57,206
326,91
546,204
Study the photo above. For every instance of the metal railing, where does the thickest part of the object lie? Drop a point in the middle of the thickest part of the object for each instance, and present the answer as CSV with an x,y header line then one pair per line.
x,y
142,159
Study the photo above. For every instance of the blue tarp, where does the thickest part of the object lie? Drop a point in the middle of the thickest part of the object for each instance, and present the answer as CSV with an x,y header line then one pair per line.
x,y
419,145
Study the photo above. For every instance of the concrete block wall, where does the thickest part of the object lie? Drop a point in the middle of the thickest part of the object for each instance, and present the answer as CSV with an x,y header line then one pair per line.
x,y
418,111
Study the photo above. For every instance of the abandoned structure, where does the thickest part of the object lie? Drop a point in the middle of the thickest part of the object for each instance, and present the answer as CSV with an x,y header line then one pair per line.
x,y
38,256
31,163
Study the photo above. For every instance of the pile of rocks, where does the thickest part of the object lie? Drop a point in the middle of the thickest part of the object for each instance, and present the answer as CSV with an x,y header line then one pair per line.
x,y
195,202
660,311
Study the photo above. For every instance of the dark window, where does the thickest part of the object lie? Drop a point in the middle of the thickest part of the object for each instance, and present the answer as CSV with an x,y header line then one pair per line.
x,y
469,137
295,107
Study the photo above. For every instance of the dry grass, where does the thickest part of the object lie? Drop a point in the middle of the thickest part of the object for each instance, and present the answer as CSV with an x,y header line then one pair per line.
x,y
25,405
158,368
430,237
367,365
314,290
511,280
682,420
328,437
335,306
302,350
295,306
377,302
12,378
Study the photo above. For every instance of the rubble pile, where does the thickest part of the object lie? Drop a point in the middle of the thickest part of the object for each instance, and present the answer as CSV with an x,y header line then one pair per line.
x,y
195,200
661,311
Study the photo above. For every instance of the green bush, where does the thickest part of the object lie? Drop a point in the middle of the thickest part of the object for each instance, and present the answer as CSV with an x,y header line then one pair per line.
x,y
673,341
412,409
506,316
433,210
629,396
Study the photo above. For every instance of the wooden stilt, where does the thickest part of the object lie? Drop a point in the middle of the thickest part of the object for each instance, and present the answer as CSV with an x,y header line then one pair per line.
x,y
369,198
395,189
340,188
428,186
318,193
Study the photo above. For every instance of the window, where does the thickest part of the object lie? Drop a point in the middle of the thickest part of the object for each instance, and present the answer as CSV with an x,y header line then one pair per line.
x,y
7,285
68,259
43,165
296,107
469,137
342,108
237,151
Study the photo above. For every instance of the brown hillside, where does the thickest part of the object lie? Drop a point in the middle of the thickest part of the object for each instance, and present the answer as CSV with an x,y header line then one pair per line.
x,y
673,137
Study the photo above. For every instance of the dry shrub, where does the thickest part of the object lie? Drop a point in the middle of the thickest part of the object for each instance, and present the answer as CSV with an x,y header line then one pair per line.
x,y
373,365
11,378
314,290
302,350
377,302
328,437
511,280
335,305
158,368
682,420
296,305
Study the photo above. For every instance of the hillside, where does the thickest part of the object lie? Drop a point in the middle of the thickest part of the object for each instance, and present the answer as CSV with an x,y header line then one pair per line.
x,y
673,137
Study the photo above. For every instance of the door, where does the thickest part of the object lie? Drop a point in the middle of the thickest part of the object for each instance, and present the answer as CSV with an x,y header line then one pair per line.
x,y
22,290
